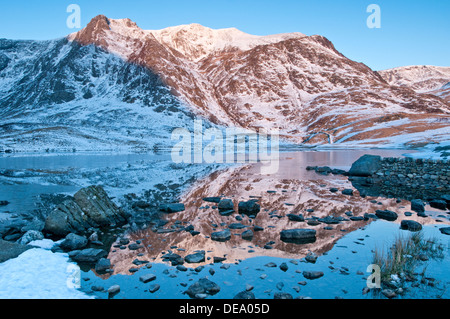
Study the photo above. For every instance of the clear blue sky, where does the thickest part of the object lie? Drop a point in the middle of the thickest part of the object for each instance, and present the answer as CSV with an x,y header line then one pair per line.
x,y
412,32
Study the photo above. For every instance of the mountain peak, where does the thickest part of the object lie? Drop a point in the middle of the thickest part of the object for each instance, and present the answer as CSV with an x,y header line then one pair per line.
x,y
91,33
194,40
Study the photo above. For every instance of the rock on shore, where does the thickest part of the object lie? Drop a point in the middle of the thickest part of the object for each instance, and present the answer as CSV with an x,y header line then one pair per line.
x,y
9,250
89,207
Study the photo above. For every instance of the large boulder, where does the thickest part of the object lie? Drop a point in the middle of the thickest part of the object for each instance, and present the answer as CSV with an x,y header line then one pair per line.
x,y
365,166
89,207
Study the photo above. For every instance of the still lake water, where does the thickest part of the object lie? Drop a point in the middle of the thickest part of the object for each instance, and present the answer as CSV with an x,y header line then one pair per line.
x,y
344,251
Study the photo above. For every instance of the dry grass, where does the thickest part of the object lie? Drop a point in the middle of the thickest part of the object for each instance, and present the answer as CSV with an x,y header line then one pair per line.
x,y
406,253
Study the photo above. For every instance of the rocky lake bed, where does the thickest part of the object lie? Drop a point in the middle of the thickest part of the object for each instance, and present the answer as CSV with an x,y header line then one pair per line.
x,y
139,227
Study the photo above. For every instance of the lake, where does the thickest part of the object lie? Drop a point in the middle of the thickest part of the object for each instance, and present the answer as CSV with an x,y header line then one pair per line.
x,y
344,250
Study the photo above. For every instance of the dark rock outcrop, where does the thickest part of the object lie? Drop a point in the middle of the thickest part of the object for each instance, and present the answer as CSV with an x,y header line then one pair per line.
x,y
89,207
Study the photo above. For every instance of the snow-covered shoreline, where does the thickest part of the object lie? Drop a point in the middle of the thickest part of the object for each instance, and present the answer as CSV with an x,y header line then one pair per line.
x,y
39,273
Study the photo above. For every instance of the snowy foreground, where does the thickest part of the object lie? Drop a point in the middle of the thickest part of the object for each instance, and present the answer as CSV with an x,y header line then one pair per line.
x,y
39,274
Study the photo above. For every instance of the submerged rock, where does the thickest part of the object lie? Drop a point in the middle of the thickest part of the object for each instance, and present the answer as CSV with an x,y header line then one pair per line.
x,y
103,265
154,288
311,258
203,286
388,293
249,208
296,218
221,236
113,290
247,235
246,294
195,258
418,205
282,295
225,205
298,236
410,225
212,199
147,278
311,275
386,214
89,255
445,230
172,208
439,204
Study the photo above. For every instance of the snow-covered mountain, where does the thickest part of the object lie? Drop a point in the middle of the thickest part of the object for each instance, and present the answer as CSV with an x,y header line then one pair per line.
x,y
421,78
298,84
64,96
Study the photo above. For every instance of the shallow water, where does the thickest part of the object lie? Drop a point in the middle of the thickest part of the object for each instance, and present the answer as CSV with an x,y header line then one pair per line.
x,y
24,177
349,257
292,188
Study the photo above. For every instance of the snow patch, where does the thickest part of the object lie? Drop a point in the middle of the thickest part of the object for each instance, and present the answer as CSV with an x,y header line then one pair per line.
x,y
38,274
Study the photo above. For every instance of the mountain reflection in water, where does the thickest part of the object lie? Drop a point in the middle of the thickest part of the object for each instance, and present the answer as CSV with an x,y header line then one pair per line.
x,y
293,190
